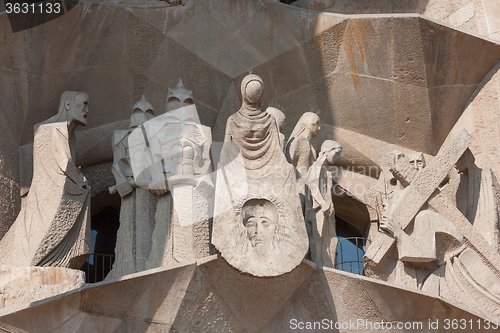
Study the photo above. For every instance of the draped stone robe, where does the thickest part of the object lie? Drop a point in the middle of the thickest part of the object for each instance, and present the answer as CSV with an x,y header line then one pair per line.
x,y
53,226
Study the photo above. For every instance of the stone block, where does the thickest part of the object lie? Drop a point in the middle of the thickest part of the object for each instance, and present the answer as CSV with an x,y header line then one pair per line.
x,y
285,80
208,116
366,49
172,62
447,104
209,85
413,122
190,32
84,322
132,326
448,54
143,42
115,299
234,47
267,35
407,51
366,109
93,145
25,50
203,310
310,303
263,297
322,51
162,300
234,13
492,10
39,317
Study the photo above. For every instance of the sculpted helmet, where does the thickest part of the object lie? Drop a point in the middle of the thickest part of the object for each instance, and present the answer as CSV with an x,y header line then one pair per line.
x,y
142,112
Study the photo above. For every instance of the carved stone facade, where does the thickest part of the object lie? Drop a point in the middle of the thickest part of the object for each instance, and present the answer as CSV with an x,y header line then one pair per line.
x,y
380,128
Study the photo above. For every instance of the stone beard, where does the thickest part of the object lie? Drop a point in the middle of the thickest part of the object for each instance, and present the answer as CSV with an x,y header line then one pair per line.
x,y
258,224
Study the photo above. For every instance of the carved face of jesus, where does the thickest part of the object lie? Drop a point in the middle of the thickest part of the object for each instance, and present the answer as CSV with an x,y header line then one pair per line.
x,y
260,217
78,110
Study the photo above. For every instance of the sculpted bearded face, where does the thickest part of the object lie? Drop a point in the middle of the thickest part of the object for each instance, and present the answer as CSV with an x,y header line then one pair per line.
x,y
260,218
417,160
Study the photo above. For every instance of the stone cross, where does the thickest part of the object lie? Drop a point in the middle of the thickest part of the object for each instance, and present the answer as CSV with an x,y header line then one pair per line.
x,y
419,192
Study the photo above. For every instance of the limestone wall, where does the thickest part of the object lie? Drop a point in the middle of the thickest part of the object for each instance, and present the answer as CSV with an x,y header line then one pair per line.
x,y
475,16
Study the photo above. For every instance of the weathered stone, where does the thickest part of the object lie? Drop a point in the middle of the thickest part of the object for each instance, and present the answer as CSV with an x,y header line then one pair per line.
x,y
320,212
53,227
258,224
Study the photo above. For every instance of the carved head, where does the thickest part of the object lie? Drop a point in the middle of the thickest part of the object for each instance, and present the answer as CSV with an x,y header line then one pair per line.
x,y
260,217
252,88
178,97
309,124
389,161
279,116
74,105
417,160
142,112
331,150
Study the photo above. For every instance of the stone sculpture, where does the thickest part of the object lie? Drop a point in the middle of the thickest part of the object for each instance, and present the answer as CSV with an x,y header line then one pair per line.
x,y
299,150
133,243
258,225
173,149
320,213
53,227
435,256
280,118
259,218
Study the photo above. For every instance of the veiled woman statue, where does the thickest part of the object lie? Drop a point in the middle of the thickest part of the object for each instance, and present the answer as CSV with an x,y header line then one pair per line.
x,y
53,227
258,224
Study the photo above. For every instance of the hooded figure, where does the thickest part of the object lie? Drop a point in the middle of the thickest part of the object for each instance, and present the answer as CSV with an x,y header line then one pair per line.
x,y
253,131
253,169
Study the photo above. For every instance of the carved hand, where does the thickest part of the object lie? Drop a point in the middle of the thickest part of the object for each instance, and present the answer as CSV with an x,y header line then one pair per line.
x,y
124,189
391,226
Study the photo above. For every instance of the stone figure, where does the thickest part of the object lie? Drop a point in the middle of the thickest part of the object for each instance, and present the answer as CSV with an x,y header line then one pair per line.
x,y
280,118
434,256
320,213
53,226
258,224
174,149
299,150
133,243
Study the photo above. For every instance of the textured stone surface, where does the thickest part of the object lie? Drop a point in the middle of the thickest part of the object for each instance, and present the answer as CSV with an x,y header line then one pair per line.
x,y
29,284
207,297
53,227
258,224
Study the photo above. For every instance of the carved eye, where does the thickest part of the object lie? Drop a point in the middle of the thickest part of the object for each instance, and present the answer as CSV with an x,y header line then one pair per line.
x,y
266,223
